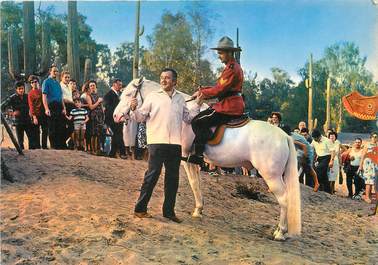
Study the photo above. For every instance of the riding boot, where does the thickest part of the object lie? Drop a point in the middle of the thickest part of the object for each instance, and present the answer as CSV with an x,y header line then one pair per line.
x,y
197,158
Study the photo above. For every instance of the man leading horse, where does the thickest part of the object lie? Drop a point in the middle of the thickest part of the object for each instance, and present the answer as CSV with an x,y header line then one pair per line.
x,y
230,103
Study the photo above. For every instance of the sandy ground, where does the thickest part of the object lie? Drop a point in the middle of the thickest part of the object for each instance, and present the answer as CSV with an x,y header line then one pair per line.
x,y
67,207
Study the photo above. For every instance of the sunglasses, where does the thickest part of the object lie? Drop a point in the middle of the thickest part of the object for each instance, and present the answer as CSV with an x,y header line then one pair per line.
x,y
34,81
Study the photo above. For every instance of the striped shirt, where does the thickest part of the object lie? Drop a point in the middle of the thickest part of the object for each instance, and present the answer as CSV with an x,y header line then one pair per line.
x,y
79,116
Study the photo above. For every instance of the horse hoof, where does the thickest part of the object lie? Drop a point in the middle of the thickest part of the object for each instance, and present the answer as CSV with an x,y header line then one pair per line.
x,y
197,213
279,236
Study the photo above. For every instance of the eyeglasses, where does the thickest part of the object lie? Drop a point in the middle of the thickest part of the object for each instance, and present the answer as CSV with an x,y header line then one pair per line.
x,y
34,81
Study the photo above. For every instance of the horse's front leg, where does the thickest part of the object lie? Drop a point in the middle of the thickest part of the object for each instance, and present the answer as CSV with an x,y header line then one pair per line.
x,y
193,173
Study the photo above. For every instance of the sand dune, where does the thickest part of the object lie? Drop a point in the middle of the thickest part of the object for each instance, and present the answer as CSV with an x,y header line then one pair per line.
x,y
67,207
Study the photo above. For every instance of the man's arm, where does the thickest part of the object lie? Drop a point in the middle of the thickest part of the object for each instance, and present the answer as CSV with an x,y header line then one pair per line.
x,y
64,107
140,114
224,84
46,104
189,114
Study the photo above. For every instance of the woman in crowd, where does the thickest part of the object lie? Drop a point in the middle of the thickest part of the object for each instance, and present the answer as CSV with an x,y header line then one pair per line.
x,y
334,172
368,167
354,155
37,113
276,119
86,93
97,117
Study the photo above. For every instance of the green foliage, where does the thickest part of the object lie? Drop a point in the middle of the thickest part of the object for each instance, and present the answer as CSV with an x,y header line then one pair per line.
x,y
123,62
11,15
172,45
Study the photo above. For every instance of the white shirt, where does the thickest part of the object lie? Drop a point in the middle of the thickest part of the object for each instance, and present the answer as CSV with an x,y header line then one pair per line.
x,y
164,116
67,93
323,147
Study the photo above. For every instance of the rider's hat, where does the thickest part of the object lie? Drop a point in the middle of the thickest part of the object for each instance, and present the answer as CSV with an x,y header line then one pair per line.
x,y
226,44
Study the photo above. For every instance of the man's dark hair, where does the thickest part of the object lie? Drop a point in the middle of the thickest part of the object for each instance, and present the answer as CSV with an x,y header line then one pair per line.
x,y
77,100
115,80
358,138
19,84
52,66
332,133
72,80
373,133
316,133
173,71
304,130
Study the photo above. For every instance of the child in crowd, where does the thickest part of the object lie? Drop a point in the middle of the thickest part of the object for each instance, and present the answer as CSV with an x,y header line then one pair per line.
x,y
80,117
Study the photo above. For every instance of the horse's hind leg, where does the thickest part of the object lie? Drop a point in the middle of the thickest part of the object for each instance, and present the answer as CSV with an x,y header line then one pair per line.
x,y
193,173
277,186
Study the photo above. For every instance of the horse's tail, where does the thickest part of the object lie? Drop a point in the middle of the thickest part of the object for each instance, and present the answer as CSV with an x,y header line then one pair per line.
x,y
293,192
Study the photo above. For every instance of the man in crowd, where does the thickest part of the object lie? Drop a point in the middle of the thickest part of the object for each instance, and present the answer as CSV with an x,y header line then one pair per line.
x,y
163,111
324,158
111,100
55,109
68,102
228,90
18,102
301,125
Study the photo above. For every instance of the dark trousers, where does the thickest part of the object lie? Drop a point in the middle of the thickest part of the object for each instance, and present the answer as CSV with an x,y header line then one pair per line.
x,y
306,174
56,124
170,156
21,129
322,172
117,139
202,123
36,133
359,183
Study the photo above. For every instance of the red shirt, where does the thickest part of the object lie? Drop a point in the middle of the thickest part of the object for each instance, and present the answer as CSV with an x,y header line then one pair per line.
x,y
230,81
35,102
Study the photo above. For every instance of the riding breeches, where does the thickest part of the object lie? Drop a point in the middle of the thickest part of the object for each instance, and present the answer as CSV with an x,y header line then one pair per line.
x,y
206,119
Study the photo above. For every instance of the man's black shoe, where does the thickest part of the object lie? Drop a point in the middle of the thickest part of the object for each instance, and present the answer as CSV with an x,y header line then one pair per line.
x,y
195,159
173,218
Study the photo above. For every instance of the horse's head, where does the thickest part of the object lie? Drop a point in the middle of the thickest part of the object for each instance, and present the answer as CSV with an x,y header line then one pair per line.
x,y
139,88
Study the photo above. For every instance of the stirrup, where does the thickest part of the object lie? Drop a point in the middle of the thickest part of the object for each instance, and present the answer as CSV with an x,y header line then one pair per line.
x,y
195,159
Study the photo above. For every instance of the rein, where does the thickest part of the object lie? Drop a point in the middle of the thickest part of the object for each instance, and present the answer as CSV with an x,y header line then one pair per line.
x,y
138,87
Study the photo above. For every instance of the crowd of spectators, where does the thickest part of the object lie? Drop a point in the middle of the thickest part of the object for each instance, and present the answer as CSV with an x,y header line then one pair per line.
x,y
330,160
59,115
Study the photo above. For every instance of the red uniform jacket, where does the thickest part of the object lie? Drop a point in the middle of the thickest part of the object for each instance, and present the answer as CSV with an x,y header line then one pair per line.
x,y
230,82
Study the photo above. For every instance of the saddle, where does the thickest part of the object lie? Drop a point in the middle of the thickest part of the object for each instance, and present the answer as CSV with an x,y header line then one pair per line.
x,y
218,131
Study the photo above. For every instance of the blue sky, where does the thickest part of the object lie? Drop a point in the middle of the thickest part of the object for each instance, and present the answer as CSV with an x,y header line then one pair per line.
x,y
273,33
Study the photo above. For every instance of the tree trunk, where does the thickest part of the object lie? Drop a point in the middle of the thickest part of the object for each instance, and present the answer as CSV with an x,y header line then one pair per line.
x,y
29,38
46,49
73,41
87,70
14,66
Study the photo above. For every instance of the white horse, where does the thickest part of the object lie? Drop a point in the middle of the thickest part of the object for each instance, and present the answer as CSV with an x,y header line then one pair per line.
x,y
257,144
